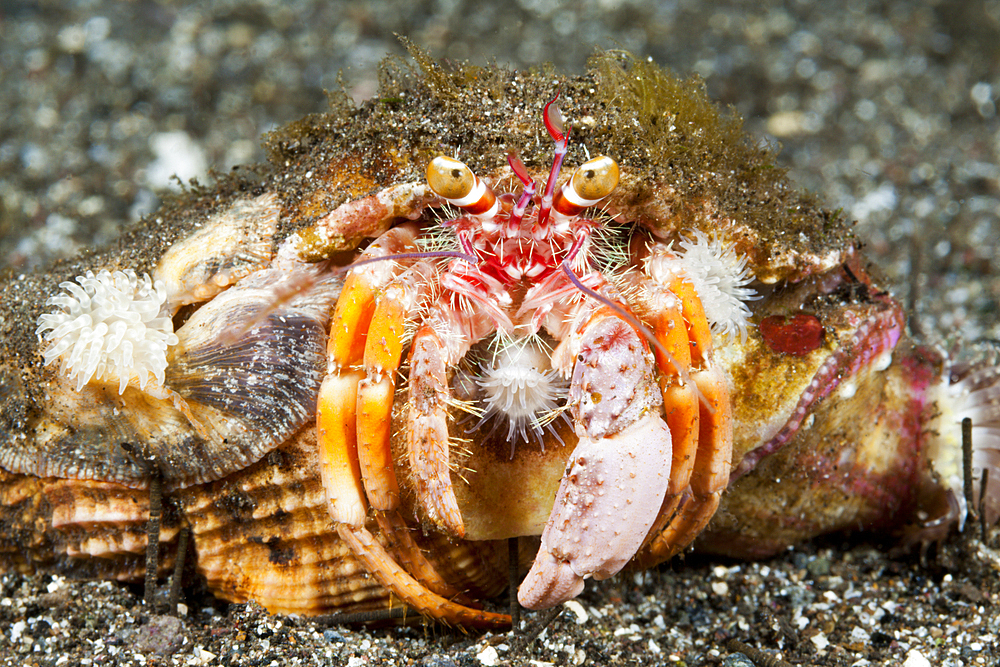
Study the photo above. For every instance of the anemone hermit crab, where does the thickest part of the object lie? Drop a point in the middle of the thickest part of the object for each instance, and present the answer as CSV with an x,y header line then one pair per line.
x,y
360,368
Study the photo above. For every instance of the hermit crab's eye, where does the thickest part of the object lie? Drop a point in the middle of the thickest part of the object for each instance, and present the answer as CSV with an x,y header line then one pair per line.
x,y
450,178
596,179
454,181
593,181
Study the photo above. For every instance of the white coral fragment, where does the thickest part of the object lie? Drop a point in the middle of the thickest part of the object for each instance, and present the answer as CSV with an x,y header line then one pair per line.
x,y
109,327
719,276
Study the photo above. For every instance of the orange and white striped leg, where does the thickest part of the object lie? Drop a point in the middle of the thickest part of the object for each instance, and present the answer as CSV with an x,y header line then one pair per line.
x,y
336,409
709,477
336,430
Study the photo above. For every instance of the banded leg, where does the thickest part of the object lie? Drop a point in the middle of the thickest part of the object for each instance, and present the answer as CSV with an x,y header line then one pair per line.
x,y
353,421
336,431
336,410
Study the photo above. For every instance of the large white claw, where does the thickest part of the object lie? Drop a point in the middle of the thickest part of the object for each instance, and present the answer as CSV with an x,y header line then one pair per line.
x,y
605,506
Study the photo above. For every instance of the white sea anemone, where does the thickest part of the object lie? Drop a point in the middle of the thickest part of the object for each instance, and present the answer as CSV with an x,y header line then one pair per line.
x,y
110,327
518,385
719,276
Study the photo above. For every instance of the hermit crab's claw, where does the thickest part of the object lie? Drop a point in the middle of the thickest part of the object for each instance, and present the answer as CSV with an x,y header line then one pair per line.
x,y
618,474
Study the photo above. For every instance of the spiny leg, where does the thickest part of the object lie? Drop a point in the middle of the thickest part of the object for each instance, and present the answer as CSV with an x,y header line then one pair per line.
x,y
389,573
354,417
427,432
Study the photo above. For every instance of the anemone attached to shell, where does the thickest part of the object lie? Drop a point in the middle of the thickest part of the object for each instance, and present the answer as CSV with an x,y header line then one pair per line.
x,y
109,327
719,275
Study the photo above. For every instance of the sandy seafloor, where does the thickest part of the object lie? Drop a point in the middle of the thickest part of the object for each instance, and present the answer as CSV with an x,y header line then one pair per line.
x,y
887,110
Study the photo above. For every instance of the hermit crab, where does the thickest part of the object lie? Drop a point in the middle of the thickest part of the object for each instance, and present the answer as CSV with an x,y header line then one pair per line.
x,y
585,312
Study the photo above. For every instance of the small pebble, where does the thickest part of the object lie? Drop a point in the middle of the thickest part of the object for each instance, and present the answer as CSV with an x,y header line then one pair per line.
x,y
577,609
161,636
916,659
737,660
819,567
488,657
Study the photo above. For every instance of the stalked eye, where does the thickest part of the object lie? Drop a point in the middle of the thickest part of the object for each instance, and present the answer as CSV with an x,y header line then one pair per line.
x,y
450,178
595,179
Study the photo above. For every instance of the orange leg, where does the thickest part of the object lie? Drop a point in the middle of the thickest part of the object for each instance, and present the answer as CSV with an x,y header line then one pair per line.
x,y
351,319
338,448
337,404
354,419
390,574
681,406
706,457
383,350
680,400
698,330
708,478
395,531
